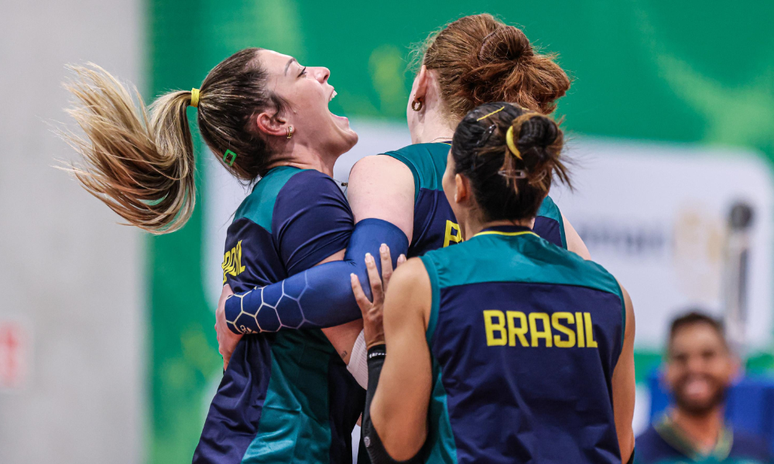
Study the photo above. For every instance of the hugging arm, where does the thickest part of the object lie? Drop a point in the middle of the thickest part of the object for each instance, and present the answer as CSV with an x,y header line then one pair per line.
x,y
382,198
316,298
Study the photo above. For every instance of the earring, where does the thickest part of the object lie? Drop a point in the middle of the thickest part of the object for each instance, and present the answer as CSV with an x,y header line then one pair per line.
x,y
417,105
290,132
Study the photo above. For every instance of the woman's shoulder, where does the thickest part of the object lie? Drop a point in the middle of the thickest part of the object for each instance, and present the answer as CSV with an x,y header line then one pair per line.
x,y
427,162
286,185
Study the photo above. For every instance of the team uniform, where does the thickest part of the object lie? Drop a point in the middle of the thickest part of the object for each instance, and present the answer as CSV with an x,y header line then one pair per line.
x,y
665,443
541,331
434,223
286,396
328,300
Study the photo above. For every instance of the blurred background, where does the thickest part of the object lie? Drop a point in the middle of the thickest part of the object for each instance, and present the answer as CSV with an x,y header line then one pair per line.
x,y
107,351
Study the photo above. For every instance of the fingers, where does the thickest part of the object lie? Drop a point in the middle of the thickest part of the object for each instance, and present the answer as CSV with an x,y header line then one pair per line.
x,y
386,259
401,260
357,290
376,282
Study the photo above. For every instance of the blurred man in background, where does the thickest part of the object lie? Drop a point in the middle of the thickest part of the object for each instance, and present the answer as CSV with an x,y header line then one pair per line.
x,y
699,370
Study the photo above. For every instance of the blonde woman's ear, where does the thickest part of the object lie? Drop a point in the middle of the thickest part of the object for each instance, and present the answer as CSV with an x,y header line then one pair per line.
x,y
271,125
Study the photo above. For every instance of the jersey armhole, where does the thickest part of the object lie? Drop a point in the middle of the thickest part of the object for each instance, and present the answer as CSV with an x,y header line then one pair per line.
x,y
619,292
559,218
432,273
412,168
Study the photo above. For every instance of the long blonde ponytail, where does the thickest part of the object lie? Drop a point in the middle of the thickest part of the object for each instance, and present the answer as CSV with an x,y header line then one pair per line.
x,y
140,165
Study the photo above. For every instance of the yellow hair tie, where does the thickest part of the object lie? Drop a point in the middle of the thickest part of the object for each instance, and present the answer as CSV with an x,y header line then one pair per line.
x,y
517,123
511,144
194,98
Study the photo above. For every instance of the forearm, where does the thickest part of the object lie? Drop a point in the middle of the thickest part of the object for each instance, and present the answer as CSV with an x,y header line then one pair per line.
x,y
319,297
376,450
343,337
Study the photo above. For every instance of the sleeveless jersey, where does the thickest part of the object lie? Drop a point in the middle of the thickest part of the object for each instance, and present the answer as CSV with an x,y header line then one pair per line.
x,y
434,223
286,396
524,338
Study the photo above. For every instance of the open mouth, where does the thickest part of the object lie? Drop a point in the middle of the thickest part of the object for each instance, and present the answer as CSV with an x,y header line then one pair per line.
x,y
330,99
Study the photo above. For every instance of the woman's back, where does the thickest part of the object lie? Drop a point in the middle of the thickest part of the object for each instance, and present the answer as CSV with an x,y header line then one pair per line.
x,y
434,223
524,338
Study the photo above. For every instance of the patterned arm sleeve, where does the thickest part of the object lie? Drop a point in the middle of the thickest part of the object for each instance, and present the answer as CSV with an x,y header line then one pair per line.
x,y
319,297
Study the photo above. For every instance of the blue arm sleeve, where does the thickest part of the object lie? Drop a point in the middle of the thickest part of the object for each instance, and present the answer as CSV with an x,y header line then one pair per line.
x,y
321,296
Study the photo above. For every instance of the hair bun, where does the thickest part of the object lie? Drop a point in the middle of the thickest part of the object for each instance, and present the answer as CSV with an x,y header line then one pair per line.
x,y
506,43
538,131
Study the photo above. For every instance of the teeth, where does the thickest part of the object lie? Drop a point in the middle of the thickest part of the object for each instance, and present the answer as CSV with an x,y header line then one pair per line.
x,y
333,95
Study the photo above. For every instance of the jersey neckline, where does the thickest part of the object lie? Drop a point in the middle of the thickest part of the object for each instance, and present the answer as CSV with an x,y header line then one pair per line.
x,y
507,230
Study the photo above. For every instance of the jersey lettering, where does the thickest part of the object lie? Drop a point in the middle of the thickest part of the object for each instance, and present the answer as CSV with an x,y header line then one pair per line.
x,y
512,328
452,235
232,262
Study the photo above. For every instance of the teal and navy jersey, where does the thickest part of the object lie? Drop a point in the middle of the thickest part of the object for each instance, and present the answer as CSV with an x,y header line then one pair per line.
x,y
434,223
664,443
524,338
328,300
286,396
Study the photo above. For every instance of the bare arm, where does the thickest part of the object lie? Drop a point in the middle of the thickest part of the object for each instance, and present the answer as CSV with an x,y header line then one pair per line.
x,y
624,386
399,408
574,242
381,187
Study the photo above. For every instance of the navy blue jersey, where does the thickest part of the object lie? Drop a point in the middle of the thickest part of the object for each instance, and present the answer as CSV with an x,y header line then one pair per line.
x,y
664,443
524,338
287,396
434,223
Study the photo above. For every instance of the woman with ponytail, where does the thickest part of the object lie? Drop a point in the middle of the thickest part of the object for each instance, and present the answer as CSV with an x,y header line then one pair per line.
x,y
285,397
503,348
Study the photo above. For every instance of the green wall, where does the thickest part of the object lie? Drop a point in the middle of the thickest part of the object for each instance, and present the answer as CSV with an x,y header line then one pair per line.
x,y
687,71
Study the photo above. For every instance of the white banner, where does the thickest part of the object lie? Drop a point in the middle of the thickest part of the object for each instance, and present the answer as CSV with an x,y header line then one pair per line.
x,y
656,215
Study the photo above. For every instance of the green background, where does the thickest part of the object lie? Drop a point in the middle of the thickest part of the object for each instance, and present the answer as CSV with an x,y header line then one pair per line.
x,y
685,71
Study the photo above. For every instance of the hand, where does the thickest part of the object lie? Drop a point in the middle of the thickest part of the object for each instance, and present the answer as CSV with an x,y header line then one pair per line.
x,y
373,311
227,340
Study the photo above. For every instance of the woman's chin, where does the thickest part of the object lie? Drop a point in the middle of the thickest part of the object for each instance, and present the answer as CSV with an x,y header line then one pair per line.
x,y
352,138
349,134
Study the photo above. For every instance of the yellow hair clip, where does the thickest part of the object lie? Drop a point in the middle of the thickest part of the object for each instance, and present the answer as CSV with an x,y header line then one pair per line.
x,y
194,98
490,114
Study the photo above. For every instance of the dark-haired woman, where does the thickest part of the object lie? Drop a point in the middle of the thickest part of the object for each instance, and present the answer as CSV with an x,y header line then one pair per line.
x,y
473,60
504,348
286,397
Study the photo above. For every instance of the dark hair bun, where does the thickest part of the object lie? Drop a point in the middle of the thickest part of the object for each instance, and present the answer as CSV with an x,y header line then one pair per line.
x,y
538,131
509,182
506,43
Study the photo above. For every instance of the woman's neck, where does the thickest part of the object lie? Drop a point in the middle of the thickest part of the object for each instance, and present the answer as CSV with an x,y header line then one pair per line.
x,y
433,128
303,158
